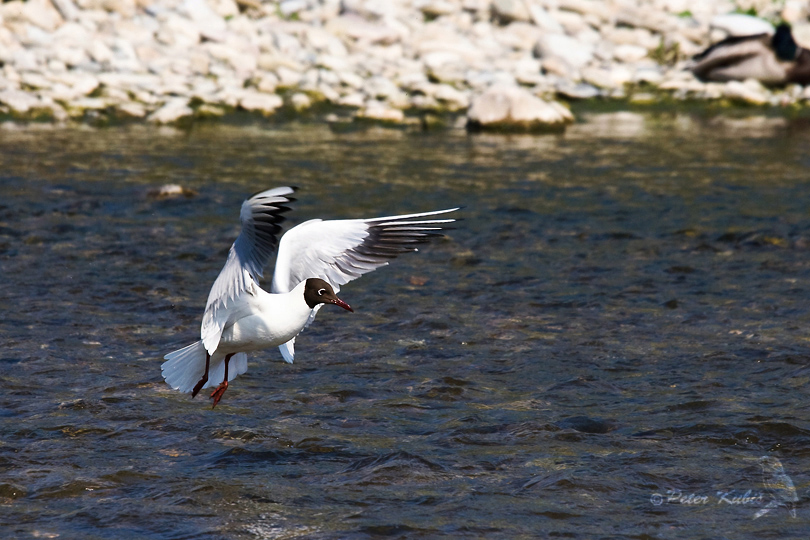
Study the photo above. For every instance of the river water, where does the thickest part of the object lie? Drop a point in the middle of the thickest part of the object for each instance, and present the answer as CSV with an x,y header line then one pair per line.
x,y
606,346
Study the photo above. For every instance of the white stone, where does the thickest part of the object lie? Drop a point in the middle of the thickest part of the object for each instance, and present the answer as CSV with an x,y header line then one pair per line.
x,y
375,110
518,35
614,77
631,36
649,75
34,80
179,31
291,7
749,91
380,87
243,64
363,31
795,11
350,79
511,10
208,22
629,53
355,99
504,105
43,14
640,16
87,104
71,56
544,20
125,8
36,36
267,83
224,8
372,9
85,84
335,63
99,51
572,23
171,111
19,101
566,48
257,101
300,101
67,9
738,24
452,98
24,60
597,8
437,8
287,78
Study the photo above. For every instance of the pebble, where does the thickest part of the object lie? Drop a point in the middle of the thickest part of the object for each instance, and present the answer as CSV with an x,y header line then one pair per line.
x,y
500,62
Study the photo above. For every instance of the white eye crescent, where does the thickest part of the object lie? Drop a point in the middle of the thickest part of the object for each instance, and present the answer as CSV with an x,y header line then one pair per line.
x,y
321,292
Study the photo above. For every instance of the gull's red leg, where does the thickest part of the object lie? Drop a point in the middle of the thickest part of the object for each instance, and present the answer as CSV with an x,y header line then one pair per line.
x,y
216,395
199,385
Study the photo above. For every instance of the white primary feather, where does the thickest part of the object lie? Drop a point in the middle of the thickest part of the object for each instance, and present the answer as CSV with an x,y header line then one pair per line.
x,y
340,251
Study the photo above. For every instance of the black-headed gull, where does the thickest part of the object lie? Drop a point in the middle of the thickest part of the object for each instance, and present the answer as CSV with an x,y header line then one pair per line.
x,y
314,259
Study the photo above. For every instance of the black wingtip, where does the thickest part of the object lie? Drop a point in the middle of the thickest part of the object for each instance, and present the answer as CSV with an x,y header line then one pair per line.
x,y
292,188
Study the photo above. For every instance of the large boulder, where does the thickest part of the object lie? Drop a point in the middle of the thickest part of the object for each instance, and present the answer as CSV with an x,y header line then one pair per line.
x,y
512,107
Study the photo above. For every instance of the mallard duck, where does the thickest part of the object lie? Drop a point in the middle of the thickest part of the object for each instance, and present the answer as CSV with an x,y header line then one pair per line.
x,y
771,59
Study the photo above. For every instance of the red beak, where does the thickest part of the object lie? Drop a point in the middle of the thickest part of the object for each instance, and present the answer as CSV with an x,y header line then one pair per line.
x,y
341,303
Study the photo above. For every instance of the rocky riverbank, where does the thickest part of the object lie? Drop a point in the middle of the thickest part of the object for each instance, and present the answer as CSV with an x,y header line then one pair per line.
x,y
492,62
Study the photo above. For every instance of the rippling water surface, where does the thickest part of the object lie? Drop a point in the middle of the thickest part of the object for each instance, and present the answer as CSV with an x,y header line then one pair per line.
x,y
606,346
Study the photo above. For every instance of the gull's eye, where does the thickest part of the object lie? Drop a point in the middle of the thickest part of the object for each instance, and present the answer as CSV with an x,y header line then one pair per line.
x,y
321,292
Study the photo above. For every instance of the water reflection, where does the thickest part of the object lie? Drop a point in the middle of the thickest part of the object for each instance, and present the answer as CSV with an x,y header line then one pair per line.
x,y
622,312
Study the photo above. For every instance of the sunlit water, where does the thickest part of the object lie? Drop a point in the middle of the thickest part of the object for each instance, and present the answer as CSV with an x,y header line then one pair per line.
x,y
605,346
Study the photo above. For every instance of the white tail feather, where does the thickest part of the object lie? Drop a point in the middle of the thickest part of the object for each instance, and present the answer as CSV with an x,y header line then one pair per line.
x,y
184,368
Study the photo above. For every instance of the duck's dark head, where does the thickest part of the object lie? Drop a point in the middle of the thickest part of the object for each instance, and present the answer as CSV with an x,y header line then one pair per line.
x,y
783,43
317,291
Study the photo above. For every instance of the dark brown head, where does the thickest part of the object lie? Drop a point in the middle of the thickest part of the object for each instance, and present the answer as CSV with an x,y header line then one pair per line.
x,y
317,291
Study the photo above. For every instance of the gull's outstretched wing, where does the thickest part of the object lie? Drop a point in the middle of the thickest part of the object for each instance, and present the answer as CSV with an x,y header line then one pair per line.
x,y
340,251
260,215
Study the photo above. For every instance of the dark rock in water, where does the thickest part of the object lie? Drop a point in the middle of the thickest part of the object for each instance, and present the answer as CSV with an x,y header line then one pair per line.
x,y
585,424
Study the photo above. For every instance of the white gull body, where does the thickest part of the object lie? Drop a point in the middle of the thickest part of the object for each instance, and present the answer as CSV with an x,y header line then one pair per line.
x,y
241,317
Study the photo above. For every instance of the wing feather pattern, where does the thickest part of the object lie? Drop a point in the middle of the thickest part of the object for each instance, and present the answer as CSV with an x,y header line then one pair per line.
x,y
261,216
340,251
